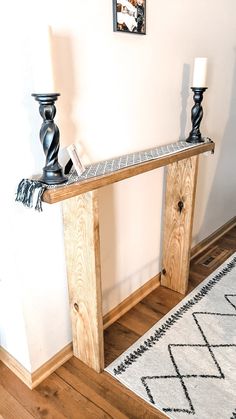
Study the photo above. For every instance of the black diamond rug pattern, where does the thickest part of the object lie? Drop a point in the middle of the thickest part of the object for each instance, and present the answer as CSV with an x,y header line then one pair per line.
x,y
186,364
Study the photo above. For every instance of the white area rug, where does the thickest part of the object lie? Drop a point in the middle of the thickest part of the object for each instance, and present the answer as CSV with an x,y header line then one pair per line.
x,y
185,365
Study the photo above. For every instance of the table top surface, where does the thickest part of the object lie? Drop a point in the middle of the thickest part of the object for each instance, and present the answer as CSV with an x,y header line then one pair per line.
x,y
122,167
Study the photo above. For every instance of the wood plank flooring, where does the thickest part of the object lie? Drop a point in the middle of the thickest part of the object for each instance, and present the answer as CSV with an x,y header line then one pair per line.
x,y
74,391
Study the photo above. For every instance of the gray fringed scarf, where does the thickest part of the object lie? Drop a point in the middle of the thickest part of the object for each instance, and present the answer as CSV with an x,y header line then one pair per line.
x,y
29,189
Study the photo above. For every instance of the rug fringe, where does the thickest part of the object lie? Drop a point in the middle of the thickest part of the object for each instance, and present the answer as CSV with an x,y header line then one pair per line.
x,y
173,318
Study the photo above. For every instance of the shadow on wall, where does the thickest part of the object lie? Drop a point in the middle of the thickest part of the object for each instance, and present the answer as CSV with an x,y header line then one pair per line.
x,y
64,76
126,235
112,297
108,242
66,84
222,196
25,150
184,101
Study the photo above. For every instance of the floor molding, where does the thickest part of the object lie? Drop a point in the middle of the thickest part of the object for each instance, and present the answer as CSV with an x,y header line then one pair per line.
x,y
208,241
33,379
131,301
16,367
51,365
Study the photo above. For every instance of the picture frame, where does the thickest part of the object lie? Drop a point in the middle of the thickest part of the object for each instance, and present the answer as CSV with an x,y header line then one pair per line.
x,y
74,155
129,16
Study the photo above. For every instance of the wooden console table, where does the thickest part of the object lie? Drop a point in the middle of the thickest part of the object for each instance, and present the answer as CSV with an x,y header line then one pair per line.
x,y
81,233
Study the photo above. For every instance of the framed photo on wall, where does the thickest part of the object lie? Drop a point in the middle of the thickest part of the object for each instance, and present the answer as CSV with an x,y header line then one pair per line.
x,y
129,16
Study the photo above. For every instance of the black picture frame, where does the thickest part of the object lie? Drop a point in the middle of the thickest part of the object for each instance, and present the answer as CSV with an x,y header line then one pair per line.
x,y
129,16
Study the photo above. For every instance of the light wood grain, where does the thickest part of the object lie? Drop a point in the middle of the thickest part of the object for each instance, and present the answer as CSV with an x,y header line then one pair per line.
x,y
37,405
11,408
131,301
81,233
59,194
82,384
180,188
119,396
71,403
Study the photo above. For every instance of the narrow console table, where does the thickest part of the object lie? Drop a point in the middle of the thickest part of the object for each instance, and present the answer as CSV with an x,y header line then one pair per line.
x,y
81,233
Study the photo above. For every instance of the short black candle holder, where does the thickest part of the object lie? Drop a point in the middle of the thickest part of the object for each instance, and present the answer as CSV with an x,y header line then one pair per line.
x,y
196,116
50,139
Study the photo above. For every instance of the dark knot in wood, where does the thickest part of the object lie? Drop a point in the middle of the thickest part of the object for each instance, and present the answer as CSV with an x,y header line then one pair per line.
x,y
180,206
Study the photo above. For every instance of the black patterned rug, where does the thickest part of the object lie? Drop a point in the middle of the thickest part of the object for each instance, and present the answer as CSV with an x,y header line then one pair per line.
x,y
185,365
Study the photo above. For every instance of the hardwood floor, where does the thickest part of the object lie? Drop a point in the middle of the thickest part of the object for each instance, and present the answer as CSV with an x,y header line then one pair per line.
x,y
74,391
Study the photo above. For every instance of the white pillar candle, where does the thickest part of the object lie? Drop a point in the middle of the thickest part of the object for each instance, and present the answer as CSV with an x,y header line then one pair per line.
x,y
42,67
200,72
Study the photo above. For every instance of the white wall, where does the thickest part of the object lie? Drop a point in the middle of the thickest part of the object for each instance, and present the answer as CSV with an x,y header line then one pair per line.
x,y
120,93
34,322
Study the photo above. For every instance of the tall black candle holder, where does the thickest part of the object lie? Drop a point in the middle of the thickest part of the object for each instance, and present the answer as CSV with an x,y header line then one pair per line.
x,y
196,115
50,139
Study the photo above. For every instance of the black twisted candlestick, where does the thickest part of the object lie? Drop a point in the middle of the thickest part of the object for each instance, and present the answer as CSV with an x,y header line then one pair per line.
x,y
50,139
196,115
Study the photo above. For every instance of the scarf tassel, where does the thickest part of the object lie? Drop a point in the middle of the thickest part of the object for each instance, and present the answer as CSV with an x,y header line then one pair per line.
x,y
27,190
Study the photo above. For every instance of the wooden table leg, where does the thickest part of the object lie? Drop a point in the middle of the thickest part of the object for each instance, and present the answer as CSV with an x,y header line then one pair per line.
x,y
82,248
178,221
